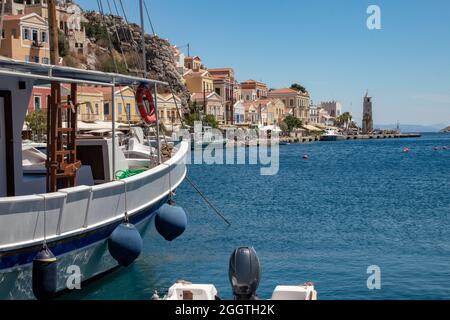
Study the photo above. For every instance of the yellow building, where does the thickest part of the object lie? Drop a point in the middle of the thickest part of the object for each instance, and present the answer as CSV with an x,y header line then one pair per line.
x,y
200,81
169,115
26,38
125,105
90,100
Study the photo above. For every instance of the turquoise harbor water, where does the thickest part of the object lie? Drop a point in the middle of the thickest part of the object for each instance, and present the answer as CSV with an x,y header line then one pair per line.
x,y
352,205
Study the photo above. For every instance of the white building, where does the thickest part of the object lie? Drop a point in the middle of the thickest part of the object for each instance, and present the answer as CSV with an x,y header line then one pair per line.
x,y
313,114
239,112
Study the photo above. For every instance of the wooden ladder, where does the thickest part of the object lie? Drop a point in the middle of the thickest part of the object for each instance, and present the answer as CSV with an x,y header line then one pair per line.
x,y
62,165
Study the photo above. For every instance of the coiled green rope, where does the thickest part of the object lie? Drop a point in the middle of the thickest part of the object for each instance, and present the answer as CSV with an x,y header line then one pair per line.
x,y
123,174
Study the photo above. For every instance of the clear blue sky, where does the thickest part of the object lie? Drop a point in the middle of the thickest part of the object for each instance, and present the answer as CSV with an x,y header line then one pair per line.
x,y
324,45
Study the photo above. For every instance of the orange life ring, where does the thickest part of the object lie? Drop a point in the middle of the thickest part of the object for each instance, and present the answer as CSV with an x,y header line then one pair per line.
x,y
144,93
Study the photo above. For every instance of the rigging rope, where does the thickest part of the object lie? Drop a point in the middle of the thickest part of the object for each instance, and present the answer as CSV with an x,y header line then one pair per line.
x,y
117,33
148,17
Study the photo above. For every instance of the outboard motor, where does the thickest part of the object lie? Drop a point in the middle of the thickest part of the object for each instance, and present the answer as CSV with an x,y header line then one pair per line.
x,y
244,273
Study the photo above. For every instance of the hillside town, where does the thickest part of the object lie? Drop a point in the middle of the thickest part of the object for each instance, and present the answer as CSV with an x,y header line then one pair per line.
x,y
213,94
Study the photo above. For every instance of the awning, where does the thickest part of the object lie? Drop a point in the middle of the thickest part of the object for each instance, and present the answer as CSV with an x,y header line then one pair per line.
x,y
311,128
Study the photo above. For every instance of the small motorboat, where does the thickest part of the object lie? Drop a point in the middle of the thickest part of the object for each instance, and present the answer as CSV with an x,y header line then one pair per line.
x,y
244,275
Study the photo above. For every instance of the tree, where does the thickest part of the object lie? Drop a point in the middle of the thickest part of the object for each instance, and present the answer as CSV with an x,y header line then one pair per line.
x,y
344,120
193,114
210,121
292,123
299,87
63,44
37,123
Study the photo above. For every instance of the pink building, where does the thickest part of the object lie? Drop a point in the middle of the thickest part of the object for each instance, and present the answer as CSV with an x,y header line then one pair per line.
x,y
38,99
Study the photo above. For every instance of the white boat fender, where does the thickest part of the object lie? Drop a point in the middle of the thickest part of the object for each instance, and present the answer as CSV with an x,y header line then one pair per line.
x,y
44,275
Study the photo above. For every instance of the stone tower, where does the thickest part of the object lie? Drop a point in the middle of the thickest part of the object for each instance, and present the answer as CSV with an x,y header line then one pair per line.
x,y
367,125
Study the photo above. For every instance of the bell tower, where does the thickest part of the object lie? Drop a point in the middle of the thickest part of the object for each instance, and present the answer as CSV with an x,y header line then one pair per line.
x,y
367,125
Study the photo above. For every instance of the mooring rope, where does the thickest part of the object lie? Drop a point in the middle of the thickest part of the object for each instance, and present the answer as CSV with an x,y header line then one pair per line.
x,y
207,200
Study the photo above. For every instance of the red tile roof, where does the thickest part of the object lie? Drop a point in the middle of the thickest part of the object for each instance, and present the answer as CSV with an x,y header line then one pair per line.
x,y
283,91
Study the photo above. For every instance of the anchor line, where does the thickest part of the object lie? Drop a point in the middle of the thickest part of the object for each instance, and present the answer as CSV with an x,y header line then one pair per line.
x,y
209,203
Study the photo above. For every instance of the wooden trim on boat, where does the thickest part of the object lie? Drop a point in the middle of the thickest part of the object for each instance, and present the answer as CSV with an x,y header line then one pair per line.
x,y
9,145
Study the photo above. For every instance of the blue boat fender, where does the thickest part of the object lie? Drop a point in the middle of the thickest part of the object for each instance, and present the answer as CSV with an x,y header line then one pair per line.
x,y
125,244
44,275
171,221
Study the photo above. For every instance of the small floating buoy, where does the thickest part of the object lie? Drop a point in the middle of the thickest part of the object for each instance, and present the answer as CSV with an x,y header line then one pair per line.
x,y
171,221
125,244
305,157
435,148
44,276
406,150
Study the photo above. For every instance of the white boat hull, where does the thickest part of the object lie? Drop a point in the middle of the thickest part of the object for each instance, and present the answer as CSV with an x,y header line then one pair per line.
x,y
78,223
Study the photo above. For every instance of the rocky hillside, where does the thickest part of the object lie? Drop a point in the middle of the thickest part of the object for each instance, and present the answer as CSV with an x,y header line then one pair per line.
x,y
127,52
446,129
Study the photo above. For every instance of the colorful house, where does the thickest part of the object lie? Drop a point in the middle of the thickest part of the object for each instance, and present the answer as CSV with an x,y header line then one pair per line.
x,y
25,38
193,63
169,114
125,105
239,112
211,103
39,98
253,90
296,102
199,81
223,80
90,101
252,113
271,111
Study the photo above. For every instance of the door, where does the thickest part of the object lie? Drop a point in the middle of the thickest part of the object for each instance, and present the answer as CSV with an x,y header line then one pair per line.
x,y
7,185
3,182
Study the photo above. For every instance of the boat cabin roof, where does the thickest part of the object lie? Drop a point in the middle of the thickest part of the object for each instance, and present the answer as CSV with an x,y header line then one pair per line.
x,y
45,74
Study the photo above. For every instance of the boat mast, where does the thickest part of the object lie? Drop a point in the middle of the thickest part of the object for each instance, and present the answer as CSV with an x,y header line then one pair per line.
x,y
144,57
61,154
144,53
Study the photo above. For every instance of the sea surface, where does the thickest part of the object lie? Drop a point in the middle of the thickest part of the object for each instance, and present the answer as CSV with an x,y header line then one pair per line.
x,y
352,205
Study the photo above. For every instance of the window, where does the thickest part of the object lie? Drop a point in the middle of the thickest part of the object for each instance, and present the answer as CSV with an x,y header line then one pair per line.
x,y
119,108
13,33
35,34
25,34
127,110
106,109
291,102
37,103
96,109
27,58
218,91
43,36
3,34
36,59
45,61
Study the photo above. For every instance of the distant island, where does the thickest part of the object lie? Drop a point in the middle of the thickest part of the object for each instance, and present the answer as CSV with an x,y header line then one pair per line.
x,y
413,127
446,130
